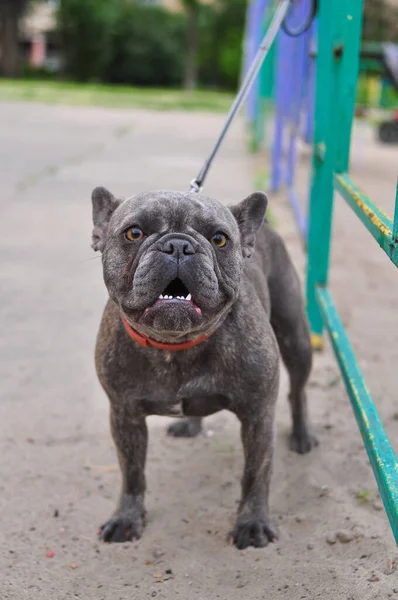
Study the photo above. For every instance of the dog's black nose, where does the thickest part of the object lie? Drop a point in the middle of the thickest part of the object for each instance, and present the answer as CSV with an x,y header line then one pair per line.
x,y
177,247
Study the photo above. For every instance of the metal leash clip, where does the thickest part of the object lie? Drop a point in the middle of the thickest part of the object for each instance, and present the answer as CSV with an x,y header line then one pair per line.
x,y
195,187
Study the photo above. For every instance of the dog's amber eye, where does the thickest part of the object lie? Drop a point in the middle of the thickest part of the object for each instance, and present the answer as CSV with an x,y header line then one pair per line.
x,y
219,239
134,234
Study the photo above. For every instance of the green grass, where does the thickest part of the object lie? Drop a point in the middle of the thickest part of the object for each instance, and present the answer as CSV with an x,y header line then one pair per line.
x,y
75,94
364,496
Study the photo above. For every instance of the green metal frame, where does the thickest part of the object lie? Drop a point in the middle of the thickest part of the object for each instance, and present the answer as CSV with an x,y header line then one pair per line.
x,y
338,58
381,455
375,220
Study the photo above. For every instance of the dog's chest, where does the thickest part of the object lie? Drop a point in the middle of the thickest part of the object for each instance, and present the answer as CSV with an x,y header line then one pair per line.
x,y
162,402
175,410
163,386
201,405
176,391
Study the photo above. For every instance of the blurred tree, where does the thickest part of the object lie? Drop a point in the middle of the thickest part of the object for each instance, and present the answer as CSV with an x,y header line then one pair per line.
x,y
147,46
192,8
11,12
380,21
86,28
231,23
123,41
374,20
120,41
214,34
221,30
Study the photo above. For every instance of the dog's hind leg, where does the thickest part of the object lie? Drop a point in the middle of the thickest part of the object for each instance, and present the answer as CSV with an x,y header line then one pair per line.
x,y
189,427
289,321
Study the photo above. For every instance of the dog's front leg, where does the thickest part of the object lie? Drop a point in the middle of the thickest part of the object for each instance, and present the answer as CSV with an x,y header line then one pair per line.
x,y
253,526
131,439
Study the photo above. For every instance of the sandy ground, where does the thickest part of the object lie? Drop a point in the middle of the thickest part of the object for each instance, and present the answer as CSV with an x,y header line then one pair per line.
x,y
58,471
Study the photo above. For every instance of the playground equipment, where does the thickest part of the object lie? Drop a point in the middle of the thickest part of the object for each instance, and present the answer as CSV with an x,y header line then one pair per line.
x,y
382,60
314,91
388,130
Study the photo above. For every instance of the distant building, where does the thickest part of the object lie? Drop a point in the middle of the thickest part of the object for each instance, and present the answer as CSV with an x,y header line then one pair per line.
x,y
170,4
38,35
174,5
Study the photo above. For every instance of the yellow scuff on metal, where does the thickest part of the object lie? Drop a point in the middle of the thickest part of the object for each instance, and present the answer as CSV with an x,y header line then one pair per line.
x,y
317,341
374,219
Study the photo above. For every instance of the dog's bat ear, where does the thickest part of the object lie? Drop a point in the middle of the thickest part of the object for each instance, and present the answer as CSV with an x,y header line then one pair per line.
x,y
104,204
249,215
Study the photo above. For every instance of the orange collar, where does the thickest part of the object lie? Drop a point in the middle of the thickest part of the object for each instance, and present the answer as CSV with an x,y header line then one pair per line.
x,y
147,342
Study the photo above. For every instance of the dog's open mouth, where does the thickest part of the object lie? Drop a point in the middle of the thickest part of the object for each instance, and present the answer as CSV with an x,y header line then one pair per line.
x,y
176,292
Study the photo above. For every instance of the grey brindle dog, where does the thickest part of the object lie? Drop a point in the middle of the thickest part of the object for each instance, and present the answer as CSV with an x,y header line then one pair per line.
x,y
192,327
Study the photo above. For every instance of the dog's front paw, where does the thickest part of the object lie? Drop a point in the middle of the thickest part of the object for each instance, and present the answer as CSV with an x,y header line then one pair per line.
x,y
122,528
252,531
302,442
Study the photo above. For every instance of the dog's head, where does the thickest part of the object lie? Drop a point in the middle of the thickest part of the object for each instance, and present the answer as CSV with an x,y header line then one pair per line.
x,y
173,261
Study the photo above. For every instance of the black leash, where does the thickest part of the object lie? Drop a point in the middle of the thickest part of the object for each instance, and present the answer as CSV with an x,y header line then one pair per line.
x,y
277,22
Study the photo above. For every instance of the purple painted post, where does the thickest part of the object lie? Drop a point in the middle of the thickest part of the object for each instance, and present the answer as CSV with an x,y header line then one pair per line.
x,y
296,84
310,98
300,50
283,77
256,15
294,94
276,154
294,105
249,54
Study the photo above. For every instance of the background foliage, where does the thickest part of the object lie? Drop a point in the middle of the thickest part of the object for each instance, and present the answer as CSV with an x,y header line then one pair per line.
x,y
118,41
380,22
129,42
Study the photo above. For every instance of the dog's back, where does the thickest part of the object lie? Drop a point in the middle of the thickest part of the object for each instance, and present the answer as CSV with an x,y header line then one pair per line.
x,y
271,272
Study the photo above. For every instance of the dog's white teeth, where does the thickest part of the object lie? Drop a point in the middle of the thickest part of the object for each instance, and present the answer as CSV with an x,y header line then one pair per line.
x,y
166,297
